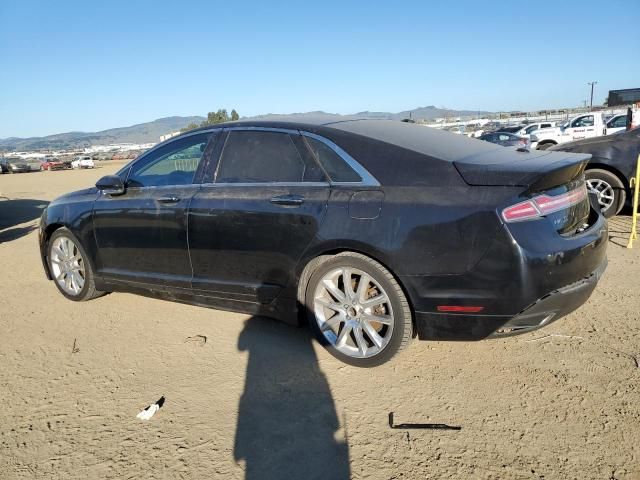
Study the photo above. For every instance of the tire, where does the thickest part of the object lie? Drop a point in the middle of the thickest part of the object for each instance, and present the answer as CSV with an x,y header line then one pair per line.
x,y
59,261
347,328
606,185
546,145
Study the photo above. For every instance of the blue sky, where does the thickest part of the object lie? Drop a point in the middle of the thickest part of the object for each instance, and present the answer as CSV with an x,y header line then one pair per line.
x,y
94,65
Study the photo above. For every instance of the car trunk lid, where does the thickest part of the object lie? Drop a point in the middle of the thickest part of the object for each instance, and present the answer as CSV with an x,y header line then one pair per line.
x,y
553,185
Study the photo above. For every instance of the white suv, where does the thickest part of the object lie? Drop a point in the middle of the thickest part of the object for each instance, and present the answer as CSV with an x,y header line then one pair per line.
x,y
527,130
83,162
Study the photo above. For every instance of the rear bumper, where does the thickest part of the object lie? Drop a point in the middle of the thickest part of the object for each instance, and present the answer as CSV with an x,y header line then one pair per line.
x,y
548,309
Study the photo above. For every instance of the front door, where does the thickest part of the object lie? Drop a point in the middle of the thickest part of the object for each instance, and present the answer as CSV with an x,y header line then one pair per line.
x,y
142,235
249,227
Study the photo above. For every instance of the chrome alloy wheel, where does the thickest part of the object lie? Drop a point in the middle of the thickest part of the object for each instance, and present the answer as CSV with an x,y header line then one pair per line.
x,y
603,191
353,312
67,265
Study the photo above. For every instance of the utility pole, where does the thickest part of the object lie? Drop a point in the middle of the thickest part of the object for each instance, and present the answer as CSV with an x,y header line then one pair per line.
x,y
592,84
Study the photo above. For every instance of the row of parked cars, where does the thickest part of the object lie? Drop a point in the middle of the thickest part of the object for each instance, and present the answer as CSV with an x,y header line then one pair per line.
x,y
24,165
614,151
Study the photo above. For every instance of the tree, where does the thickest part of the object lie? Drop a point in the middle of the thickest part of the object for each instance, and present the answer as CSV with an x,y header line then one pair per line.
x,y
214,118
191,126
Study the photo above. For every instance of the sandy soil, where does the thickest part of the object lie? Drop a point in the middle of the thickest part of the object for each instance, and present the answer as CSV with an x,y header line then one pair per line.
x,y
259,399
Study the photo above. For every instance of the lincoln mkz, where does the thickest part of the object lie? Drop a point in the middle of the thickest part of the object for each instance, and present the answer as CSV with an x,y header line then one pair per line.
x,y
373,231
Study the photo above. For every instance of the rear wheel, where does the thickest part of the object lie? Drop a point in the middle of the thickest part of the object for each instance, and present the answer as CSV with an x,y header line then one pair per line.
x,y
357,310
69,267
608,188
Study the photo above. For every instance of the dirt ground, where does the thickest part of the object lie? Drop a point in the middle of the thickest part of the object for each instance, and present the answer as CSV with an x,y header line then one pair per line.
x,y
259,399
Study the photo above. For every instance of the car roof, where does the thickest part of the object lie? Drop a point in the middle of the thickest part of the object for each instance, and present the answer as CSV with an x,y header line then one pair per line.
x,y
429,141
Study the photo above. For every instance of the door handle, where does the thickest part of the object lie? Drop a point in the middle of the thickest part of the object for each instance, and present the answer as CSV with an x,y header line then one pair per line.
x,y
169,199
288,200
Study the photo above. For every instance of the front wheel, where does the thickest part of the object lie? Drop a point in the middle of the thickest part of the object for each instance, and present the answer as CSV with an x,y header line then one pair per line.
x,y
357,310
69,267
609,190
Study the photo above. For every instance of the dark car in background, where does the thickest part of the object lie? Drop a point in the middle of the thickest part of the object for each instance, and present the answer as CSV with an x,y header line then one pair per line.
x,y
611,168
511,128
505,139
373,231
15,165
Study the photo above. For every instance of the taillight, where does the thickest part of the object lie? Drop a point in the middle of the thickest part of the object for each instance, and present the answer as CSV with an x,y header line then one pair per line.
x,y
543,205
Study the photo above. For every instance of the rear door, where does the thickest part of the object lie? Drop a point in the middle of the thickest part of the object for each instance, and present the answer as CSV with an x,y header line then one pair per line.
x,y
260,206
141,235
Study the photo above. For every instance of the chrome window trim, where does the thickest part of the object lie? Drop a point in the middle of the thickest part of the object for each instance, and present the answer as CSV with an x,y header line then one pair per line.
x,y
130,165
267,184
367,179
265,129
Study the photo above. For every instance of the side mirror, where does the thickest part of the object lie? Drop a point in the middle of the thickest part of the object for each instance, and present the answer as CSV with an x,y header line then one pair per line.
x,y
111,184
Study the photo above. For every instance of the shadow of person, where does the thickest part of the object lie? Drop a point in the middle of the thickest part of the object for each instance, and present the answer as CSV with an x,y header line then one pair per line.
x,y
287,421
16,212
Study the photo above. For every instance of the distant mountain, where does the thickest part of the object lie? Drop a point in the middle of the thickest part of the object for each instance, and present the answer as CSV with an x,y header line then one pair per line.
x,y
421,113
150,132
141,133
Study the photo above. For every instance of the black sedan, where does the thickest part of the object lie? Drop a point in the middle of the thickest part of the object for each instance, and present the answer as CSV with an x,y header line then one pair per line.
x,y
374,231
505,139
611,168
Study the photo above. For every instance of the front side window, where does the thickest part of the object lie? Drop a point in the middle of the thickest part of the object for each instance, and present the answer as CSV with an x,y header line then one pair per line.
x,y
335,166
173,164
262,157
586,121
531,129
618,122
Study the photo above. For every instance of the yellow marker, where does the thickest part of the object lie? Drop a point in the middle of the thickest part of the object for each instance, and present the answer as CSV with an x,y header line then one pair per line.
x,y
635,183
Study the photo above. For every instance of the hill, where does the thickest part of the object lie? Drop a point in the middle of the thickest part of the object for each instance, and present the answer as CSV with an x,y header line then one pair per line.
x,y
148,132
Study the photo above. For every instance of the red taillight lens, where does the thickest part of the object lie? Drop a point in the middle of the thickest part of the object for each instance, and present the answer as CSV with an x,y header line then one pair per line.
x,y
459,309
543,205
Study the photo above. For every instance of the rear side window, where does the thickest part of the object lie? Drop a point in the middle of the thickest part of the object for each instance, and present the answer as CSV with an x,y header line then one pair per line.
x,y
262,157
335,166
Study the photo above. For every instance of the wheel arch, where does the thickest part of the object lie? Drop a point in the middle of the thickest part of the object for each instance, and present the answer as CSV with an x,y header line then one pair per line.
x,y
546,142
611,169
310,262
46,235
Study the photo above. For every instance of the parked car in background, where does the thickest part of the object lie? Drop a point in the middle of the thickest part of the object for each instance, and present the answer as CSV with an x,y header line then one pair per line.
x,y
617,123
527,130
611,168
511,128
84,161
16,165
337,223
505,139
34,164
4,165
52,163
582,126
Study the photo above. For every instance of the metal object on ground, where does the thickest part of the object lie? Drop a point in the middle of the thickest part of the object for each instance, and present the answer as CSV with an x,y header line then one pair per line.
x,y
426,426
634,222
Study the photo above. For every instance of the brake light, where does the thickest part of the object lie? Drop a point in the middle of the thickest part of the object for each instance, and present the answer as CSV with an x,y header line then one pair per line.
x,y
542,205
